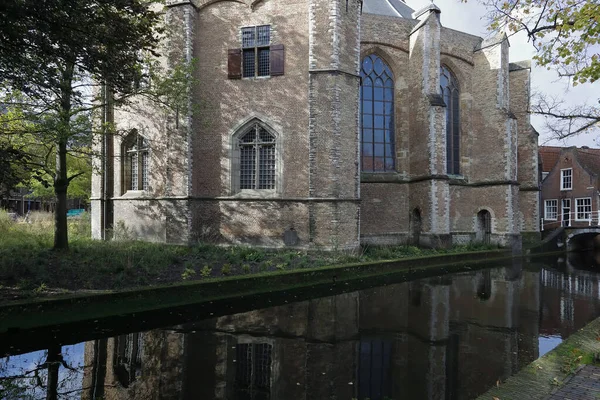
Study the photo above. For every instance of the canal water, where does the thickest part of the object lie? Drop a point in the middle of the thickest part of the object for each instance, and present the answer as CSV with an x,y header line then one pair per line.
x,y
452,336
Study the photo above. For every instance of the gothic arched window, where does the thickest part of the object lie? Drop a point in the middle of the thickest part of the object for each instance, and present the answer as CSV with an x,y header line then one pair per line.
x,y
450,93
136,158
377,109
257,163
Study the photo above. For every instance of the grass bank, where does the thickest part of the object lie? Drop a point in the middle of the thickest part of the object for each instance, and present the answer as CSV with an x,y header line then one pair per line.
x,y
543,376
29,268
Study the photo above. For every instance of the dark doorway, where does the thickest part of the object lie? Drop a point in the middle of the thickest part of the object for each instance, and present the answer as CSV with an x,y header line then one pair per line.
x,y
484,227
415,227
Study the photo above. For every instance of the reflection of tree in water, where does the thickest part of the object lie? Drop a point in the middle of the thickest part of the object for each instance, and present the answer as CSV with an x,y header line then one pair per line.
x,y
51,374
128,358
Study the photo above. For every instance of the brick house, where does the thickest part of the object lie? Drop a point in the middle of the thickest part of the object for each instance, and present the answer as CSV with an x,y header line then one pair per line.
x,y
570,186
326,124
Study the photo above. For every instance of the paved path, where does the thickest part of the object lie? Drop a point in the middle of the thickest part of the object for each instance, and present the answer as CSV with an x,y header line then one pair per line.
x,y
584,385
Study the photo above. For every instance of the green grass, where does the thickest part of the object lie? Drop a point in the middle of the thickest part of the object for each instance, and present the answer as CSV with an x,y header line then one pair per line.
x,y
28,264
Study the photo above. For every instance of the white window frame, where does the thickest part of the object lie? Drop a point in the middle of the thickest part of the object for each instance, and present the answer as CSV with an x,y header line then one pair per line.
x,y
562,211
563,175
547,203
577,206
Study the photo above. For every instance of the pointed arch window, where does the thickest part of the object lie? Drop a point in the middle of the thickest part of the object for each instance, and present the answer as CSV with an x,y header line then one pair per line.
x,y
136,159
377,111
451,95
255,164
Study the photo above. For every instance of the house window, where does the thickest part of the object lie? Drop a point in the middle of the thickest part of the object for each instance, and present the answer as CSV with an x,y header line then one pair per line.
x,y
136,158
256,41
257,163
377,110
253,371
551,210
583,209
450,93
566,179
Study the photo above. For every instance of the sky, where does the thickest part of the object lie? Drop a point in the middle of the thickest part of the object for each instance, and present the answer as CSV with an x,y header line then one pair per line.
x,y
470,17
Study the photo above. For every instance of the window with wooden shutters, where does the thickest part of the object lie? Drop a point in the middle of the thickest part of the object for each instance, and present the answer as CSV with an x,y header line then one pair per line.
x,y
257,57
234,64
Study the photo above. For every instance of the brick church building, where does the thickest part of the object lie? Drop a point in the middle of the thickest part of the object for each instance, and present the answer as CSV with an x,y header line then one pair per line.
x,y
325,124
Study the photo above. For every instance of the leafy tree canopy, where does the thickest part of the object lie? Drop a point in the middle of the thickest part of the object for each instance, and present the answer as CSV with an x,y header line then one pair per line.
x,y
566,36
103,38
52,55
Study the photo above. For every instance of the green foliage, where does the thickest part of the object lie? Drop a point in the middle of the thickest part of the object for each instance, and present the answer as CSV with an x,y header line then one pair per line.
x,y
226,269
281,266
50,68
206,271
564,32
27,263
188,273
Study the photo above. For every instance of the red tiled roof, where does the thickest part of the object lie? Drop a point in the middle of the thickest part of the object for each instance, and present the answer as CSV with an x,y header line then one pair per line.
x,y
589,159
548,157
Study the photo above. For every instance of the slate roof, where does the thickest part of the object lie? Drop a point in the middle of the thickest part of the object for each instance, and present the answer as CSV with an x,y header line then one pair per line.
x,y
391,8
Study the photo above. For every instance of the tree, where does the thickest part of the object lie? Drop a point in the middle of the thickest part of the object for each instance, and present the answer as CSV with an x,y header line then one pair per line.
x,y
566,36
52,52
41,377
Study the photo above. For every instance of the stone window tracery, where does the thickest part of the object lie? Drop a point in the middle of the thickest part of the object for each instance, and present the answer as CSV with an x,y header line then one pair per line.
x,y
257,158
451,94
377,112
136,159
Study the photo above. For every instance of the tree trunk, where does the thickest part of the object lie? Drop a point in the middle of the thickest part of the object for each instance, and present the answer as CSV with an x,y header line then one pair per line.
x,y
53,362
61,181
61,184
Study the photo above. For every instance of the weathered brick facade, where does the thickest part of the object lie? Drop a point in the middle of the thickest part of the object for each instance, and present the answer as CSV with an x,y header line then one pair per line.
x,y
313,112
576,205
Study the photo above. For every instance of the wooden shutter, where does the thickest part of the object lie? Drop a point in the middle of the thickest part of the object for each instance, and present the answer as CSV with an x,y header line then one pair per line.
x,y
234,64
277,59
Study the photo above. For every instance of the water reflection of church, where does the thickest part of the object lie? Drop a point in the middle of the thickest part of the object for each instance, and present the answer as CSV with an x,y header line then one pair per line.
x,y
444,338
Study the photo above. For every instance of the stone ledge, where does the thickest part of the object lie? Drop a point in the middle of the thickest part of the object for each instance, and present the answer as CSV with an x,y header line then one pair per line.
x,y
538,380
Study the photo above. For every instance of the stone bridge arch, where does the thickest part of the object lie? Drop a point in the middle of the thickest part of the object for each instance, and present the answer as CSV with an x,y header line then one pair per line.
x,y
582,238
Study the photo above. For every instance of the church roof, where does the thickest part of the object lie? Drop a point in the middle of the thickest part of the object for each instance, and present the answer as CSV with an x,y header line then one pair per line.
x,y
391,8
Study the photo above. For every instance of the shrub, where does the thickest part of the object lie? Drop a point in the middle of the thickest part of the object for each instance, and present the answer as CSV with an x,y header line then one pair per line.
x,y
188,273
206,271
226,269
